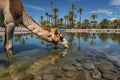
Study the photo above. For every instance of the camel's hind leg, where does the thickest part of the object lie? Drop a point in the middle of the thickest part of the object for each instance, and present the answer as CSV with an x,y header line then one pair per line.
x,y
9,32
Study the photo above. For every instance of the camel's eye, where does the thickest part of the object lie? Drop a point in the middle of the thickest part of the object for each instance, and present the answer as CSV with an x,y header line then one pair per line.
x,y
49,35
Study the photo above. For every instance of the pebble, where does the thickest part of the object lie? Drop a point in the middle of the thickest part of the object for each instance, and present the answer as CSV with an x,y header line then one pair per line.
x,y
89,66
77,64
84,75
70,74
27,77
59,74
48,77
96,74
80,68
69,68
108,76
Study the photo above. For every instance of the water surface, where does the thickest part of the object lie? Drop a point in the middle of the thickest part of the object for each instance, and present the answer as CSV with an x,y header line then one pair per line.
x,y
35,56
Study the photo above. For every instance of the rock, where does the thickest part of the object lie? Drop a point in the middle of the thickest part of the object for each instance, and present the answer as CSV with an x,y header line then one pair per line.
x,y
89,66
38,77
77,64
59,74
104,71
117,64
108,76
118,78
80,68
115,59
69,68
70,74
48,77
27,77
84,75
105,66
96,74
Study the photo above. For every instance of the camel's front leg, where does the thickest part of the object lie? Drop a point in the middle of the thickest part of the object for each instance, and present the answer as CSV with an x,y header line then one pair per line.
x,y
9,31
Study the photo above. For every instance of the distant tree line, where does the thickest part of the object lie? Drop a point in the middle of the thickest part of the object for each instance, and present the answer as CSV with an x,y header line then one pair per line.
x,y
69,20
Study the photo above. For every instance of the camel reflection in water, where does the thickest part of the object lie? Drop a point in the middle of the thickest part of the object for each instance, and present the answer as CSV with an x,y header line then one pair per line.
x,y
17,73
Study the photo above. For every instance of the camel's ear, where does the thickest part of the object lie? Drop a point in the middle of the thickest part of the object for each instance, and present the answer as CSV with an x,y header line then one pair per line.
x,y
56,31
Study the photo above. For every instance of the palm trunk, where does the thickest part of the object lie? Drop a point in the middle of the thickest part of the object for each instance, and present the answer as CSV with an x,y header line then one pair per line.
x,y
80,22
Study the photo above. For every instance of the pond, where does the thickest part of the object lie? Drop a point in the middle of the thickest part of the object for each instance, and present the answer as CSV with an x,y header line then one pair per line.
x,y
90,56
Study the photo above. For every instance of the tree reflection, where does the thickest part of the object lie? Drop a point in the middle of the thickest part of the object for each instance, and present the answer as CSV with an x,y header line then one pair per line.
x,y
71,42
93,37
85,36
1,39
78,37
103,37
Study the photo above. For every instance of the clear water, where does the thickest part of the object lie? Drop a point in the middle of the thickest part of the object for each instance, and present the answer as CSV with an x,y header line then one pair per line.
x,y
29,50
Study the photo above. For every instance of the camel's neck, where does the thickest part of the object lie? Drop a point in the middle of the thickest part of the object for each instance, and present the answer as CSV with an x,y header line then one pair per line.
x,y
35,28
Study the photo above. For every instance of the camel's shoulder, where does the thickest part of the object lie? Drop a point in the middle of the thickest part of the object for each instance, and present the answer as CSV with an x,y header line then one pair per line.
x,y
16,8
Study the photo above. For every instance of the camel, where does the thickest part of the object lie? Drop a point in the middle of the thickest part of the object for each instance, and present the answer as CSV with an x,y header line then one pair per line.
x,y
13,13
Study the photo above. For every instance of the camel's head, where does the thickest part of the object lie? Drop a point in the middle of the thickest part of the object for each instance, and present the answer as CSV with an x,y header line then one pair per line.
x,y
55,37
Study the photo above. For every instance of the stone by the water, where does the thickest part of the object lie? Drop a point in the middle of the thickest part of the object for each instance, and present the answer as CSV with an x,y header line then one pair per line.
x,y
69,68
48,77
70,74
89,66
77,64
84,75
108,76
96,74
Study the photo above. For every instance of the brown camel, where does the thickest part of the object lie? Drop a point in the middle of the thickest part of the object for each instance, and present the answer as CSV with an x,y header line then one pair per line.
x,y
12,13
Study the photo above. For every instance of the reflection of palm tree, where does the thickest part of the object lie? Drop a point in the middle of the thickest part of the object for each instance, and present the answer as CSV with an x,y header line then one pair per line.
x,y
103,37
0,38
78,36
92,43
71,41
80,11
22,41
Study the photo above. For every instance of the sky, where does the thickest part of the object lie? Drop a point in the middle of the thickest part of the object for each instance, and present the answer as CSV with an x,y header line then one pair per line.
x,y
109,9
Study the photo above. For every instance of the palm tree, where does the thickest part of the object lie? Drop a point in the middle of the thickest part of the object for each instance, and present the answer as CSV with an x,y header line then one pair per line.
x,y
86,23
61,21
105,23
116,23
55,15
51,3
93,17
71,16
73,7
80,11
41,19
49,19
67,19
47,15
